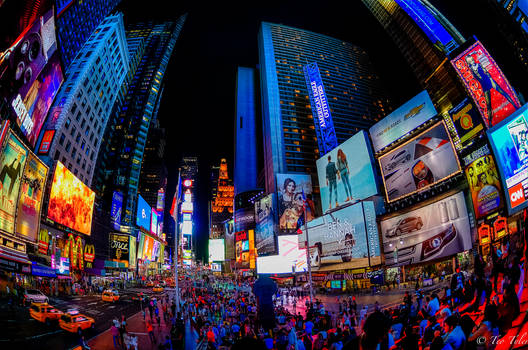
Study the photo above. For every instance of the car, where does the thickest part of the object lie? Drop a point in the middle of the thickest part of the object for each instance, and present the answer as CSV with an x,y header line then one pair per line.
x,y
405,225
110,295
43,312
162,283
157,288
139,296
34,296
75,322
149,284
401,157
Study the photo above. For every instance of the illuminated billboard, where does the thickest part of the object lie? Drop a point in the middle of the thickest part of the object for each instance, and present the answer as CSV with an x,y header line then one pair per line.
x,y
187,227
434,231
143,213
216,250
346,173
242,257
509,140
290,202
119,247
116,209
132,253
30,199
148,247
486,84
324,126
12,163
483,180
401,121
421,162
466,121
71,201
154,222
160,202
230,239
265,213
344,239
290,258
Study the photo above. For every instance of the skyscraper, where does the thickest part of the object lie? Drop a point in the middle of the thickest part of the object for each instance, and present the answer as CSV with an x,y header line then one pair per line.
x,y
425,38
246,135
354,92
82,107
84,16
222,201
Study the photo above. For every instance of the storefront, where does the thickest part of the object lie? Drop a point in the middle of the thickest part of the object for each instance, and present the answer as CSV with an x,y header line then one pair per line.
x,y
15,267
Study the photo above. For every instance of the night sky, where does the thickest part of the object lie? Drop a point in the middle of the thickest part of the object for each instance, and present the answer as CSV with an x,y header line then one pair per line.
x,y
198,104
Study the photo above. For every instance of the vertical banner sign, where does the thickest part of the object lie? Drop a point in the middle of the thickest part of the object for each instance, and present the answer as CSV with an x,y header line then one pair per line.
x,y
116,210
369,213
132,253
487,85
30,199
12,163
324,126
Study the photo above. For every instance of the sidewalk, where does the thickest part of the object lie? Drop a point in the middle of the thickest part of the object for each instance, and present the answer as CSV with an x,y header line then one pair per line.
x,y
135,325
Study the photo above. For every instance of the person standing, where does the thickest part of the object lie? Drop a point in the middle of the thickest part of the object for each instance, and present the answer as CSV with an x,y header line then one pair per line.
x,y
115,336
331,181
150,331
344,171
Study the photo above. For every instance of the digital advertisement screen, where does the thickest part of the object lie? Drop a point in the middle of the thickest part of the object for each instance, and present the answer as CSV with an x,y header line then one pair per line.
x,y
119,247
346,173
229,239
216,250
242,257
290,201
404,119
244,218
71,201
30,199
116,210
160,201
483,180
132,252
509,141
290,258
265,213
434,231
216,267
419,163
143,213
148,248
12,163
156,251
486,84
466,121
154,222
338,240
245,246
187,227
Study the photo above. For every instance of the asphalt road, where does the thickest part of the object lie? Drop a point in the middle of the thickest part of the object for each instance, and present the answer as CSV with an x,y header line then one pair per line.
x,y
19,331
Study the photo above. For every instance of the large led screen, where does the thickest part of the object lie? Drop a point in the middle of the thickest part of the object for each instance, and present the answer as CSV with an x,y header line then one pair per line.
x,y
12,163
30,199
132,258
143,213
466,121
486,84
290,258
265,213
404,119
154,222
346,173
116,209
419,163
148,248
434,231
290,202
119,247
229,229
483,180
509,141
242,257
216,250
31,75
341,239
71,202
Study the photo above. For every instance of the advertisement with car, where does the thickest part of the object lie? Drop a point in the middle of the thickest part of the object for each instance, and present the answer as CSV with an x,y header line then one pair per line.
x,y
436,230
419,163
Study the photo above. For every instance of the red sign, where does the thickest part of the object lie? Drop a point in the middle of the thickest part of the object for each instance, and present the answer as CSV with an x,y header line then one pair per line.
x,y
241,236
516,194
484,234
45,144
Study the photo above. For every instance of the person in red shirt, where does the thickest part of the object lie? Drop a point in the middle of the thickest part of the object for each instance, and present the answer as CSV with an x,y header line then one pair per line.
x,y
150,331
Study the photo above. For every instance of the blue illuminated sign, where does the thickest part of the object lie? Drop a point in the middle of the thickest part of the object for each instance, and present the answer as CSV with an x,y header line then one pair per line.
x,y
115,212
324,127
143,213
427,18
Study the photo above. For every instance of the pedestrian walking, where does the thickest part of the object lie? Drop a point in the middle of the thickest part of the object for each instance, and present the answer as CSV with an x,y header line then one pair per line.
x,y
150,332
134,342
115,336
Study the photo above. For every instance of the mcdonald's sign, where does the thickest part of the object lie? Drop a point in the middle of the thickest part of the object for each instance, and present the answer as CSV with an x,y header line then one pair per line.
x,y
43,241
89,253
73,249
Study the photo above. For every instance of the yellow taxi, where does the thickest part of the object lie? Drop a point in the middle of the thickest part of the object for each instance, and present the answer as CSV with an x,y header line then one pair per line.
x,y
110,295
43,312
157,288
150,284
75,322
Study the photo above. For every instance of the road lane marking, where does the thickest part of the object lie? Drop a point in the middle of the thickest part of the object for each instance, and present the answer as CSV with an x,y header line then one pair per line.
x,y
43,335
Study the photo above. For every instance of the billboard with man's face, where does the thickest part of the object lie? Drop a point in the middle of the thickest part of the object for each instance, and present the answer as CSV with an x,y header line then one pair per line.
x,y
290,189
419,163
486,84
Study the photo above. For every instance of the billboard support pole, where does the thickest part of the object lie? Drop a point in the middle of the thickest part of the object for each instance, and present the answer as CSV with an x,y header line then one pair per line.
x,y
308,260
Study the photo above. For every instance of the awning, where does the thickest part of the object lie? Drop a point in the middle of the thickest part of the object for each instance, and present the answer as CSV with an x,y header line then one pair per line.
x,y
41,270
14,255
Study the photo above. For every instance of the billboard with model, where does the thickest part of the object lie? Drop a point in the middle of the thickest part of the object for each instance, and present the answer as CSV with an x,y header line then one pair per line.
x,y
509,140
346,173
486,84
343,239
290,202
289,259
216,250
419,163
434,231
229,229
265,213
404,119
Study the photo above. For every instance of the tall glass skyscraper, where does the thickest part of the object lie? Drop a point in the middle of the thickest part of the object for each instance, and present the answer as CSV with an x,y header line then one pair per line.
x,y
355,95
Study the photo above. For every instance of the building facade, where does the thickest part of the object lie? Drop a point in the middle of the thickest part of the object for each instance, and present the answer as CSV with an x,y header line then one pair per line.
x,y
221,205
354,92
